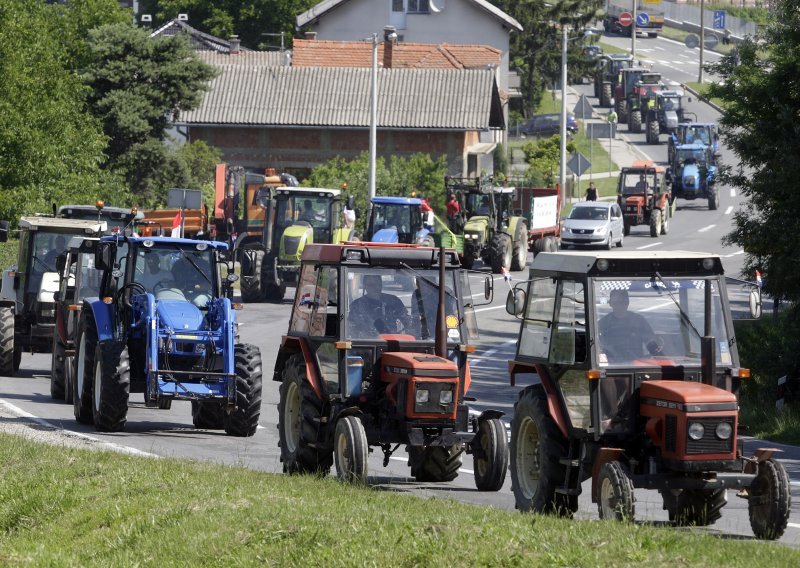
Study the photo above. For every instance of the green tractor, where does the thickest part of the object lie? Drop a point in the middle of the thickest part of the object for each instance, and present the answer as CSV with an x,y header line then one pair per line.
x,y
607,75
642,100
491,230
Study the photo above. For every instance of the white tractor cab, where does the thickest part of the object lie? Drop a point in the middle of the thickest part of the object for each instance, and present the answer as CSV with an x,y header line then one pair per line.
x,y
27,305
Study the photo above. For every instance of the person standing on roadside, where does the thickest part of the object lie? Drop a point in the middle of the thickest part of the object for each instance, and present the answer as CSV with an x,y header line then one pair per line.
x,y
591,192
612,120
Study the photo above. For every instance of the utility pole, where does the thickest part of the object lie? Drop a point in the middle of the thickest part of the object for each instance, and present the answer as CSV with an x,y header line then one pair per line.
x,y
633,32
373,117
702,40
562,176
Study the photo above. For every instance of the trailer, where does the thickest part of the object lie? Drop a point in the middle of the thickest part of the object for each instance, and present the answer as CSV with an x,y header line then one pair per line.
x,y
541,208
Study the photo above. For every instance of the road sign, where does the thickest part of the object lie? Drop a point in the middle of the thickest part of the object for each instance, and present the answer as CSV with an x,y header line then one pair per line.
x,y
691,41
642,19
719,19
596,130
625,19
710,41
583,109
578,164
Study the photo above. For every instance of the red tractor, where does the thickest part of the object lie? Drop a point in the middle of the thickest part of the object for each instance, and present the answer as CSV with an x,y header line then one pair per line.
x,y
376,355
644,198
636,386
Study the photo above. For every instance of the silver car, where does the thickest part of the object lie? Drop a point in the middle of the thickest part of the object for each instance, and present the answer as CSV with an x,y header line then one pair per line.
x,y
593,223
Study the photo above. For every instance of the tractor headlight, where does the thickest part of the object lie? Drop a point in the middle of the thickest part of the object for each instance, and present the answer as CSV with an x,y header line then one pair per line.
x,y
422,396
696,431
723,430
446,397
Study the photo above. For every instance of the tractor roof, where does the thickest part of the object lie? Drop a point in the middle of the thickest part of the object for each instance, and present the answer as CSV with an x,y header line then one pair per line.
x,y
377,255
309,191
620,56
628,263
106,210
57,224
219,245
398,200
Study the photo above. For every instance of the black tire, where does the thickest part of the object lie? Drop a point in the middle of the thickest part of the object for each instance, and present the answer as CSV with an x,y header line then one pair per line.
x,y
519,256
636,121
274,292
626,228
621,108
696,507
538,246
615,499
84,369
208,415
435,463
111,387
490,458
350,450
250,287
69,380
302,420
653,132
610,243
605,95
537,446
468,261
770,501
713,199
500,253
243,420
655,223
621,241
7,351
665,223
57,362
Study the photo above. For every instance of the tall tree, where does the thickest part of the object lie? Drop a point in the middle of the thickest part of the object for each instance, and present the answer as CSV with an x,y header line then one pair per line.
x,y
760,90
138,86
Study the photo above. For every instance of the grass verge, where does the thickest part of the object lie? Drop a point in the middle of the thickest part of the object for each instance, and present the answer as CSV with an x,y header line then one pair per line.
x,y
70,507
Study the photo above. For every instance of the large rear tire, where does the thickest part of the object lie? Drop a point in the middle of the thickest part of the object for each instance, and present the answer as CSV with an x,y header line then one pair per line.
x,y
537,446
615,498
302,420
500,253
653,132
350,450
519,258
605,95
490,458
208,415
112,385
243,420
84,369
621,108
7,352
655,223
770,501
636,121
57,364
251,287
274,292
435,463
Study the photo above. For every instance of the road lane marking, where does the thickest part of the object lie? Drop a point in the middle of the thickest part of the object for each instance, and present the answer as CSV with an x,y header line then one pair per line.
x,y
737,253
490,308
704,229
478,359
659,243
729,210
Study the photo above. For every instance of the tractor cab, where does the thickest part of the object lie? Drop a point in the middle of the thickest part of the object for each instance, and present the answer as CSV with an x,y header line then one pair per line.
x,y
117,218
693,173
638,386
396,220
644,198
693,133
607,75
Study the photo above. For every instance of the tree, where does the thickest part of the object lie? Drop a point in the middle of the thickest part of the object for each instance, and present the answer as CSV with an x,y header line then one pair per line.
x,y
138,86
759,89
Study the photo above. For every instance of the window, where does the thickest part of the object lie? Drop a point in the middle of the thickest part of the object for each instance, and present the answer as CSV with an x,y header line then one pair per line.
x,y
535,336
418,7
397,5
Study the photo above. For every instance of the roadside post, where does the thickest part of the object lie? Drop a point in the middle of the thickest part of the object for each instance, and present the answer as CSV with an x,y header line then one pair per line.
x,y
184,199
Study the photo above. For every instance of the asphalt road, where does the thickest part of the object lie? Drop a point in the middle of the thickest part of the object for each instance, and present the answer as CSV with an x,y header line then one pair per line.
x,y
170,432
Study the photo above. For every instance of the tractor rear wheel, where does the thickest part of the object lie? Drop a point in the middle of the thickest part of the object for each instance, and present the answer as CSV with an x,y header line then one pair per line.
x,y
112,385
7,351
655,223
615,498
713,199
665,222
519,258
208,415
490,457
69,372
500,253
697,507
622,110
605,95
537,446
302,420
57,384
243,420
770,501
435,463
84,370
636,121
538,246
274,292
653,132
251,287
350,450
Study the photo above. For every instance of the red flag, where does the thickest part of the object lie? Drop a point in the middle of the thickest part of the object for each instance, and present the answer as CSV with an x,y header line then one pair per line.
x,y
176,222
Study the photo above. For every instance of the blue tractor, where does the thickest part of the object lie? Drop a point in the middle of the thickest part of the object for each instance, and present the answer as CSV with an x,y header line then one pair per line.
x,y
398,220
164,325
704,133
693,173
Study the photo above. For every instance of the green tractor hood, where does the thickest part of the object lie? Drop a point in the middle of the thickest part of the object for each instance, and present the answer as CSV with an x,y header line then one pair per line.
x,y
293,241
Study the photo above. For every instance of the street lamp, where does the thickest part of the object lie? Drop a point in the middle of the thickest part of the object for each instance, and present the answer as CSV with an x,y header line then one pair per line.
x,y
373,117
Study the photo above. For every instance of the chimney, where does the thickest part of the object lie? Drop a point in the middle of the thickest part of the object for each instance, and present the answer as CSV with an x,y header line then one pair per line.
x,y
311,36
234,45
389,38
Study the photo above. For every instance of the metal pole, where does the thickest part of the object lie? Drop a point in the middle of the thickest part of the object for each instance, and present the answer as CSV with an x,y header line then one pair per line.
x,y
373,117
563,166
633,31
702,40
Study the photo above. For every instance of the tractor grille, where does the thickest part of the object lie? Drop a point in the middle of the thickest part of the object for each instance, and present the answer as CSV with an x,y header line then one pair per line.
x,y
671,433
433,404
290,245
709,443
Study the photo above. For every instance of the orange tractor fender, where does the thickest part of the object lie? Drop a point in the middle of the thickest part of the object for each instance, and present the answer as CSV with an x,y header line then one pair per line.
x,y
289,346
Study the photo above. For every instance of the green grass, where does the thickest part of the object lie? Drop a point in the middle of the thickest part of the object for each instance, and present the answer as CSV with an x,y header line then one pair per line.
x,y
67,507
8,253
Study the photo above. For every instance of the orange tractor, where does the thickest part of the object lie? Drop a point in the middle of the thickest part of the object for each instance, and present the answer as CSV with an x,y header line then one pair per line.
x,y
636,386
644,198
376,355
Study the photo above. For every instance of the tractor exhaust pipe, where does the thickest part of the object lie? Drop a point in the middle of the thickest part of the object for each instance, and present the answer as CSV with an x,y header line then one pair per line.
x,y
441,327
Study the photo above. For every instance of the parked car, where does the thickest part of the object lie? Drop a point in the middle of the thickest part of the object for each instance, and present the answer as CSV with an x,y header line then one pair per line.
x,y
593,223
548,124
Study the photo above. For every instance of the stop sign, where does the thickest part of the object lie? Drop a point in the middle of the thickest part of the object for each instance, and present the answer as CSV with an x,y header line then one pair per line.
x,y
625,19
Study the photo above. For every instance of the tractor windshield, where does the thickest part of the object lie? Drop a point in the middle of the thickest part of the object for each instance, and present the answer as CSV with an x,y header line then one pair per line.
x,y
638,322
87,277
45,247
637,182
399,301
176,272
312,209
697,134
687,155
478,204
405,219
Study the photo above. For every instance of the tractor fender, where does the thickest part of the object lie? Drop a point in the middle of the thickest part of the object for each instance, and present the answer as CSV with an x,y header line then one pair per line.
x,y
512,226
103,317
604,455
760,456
290,346
342,235
489,414
245,240
556,409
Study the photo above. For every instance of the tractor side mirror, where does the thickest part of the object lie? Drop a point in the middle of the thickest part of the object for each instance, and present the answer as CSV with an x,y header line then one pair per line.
x,y
231,278
104,256
3,231
755,303
351,202
488,288
515,302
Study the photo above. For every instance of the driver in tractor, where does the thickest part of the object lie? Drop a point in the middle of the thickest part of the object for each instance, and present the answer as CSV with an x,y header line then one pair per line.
x,y
308,214
642,186
376,313
191,278
624,334
483,208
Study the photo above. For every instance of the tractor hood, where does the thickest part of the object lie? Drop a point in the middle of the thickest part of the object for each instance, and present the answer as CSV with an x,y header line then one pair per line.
x,y
671,119
388,235
476,224
294,239
691,176
684,393
179,315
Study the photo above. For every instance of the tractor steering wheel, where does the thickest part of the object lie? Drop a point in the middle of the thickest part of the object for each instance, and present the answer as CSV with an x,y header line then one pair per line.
x,y
132,287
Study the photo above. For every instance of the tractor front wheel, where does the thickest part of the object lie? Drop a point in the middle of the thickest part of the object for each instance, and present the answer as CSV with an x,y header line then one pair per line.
x,y
208,415
302,422
57,383
435,463
655,223
537,446
500,253
84,370
111,388
251,286
490,457
615,498
350,450
243,420
653,132
7,351
520,255
770,501
665,222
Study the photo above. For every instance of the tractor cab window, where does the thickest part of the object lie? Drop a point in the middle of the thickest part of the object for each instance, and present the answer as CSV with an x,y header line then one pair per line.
x,y
87,277
316,304
650,322
401,218
534,338
304,209
691,156
479,204
634,183
176,273
404,302
45,247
